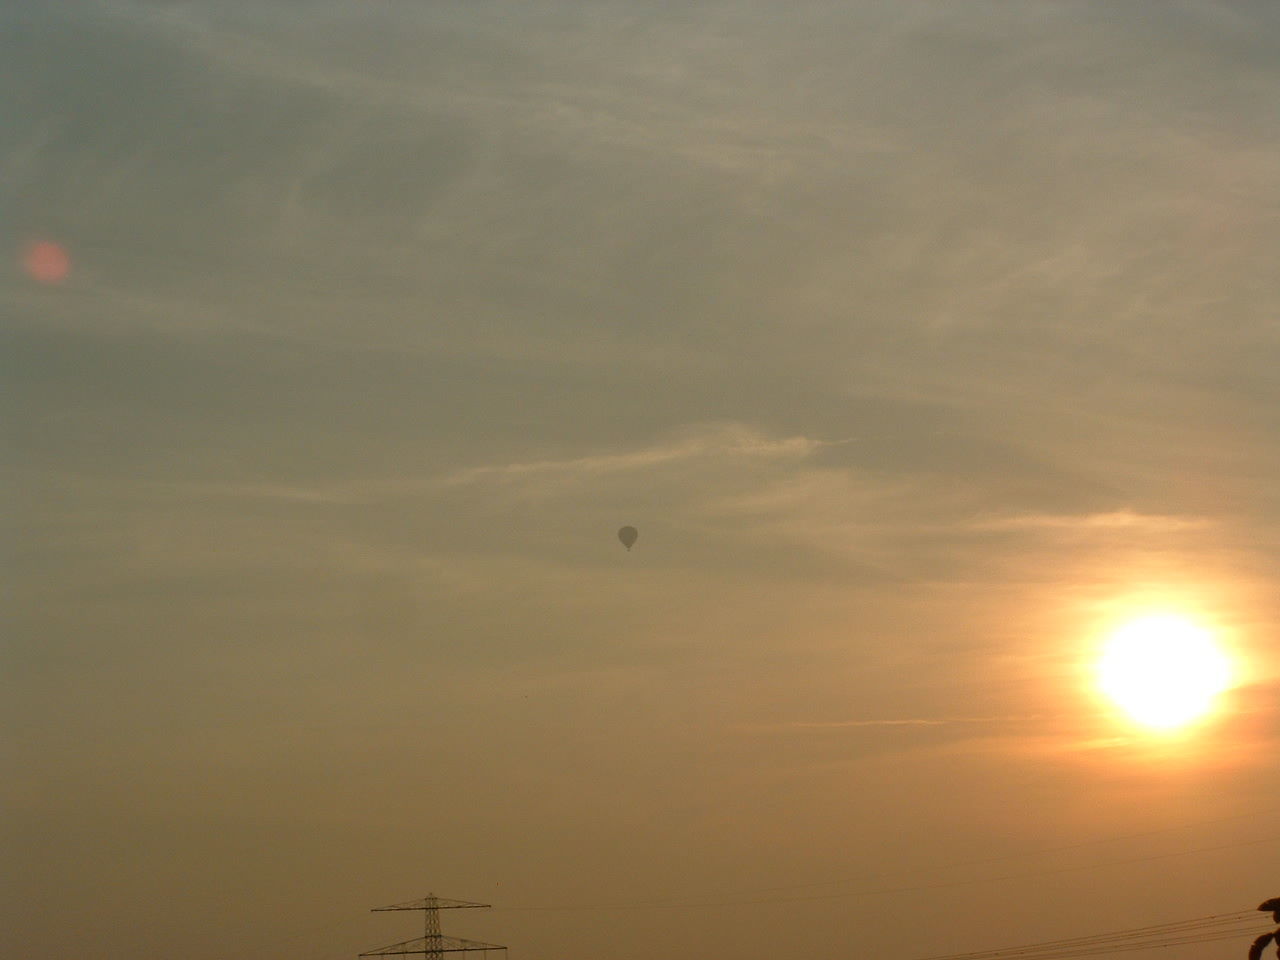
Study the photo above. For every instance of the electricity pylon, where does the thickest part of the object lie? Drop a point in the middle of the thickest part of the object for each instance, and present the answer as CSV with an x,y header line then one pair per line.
x,y
432,944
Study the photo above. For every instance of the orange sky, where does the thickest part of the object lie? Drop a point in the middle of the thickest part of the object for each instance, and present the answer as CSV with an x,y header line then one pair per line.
x,y
923,344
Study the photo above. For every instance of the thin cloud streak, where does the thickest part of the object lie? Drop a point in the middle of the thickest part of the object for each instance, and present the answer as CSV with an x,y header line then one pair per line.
x,y
1114,520
799,725
730,441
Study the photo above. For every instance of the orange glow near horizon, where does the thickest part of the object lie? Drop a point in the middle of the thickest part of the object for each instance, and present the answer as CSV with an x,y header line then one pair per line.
x,y
1163,671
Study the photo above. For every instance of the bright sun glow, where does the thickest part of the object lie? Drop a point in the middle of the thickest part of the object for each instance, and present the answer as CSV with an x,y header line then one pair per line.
x,y
1164,671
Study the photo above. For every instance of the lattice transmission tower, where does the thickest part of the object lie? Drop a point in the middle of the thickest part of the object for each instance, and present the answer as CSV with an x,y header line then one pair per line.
x,y
432,944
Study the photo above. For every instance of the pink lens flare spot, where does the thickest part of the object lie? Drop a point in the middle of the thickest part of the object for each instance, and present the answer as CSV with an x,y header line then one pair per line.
x,y
46,262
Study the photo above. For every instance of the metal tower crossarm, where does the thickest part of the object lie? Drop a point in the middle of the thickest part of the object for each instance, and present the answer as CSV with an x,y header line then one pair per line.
x,y
432,945
432,902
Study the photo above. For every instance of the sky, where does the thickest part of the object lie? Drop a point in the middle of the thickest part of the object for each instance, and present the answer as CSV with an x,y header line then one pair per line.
x,y
923,342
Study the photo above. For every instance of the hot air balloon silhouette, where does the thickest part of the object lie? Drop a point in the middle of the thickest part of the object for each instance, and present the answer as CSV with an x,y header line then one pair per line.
x,y
628,536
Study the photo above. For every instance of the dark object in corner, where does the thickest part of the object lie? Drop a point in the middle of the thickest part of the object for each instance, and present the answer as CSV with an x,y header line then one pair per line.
x,y
1271,906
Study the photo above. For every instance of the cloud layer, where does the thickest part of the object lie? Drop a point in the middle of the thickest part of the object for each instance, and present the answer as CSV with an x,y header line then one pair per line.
x,y
922,342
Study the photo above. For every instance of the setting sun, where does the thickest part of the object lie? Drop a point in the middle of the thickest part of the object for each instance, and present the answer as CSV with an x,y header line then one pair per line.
x,y
1163,671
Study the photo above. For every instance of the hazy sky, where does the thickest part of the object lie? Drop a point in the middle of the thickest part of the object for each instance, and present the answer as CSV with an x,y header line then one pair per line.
x,y
924,341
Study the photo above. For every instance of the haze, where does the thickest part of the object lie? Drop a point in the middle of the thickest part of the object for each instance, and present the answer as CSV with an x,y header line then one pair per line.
x,y
922,342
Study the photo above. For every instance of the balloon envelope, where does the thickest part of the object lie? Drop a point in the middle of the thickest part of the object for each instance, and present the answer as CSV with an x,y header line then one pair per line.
x,y
628,536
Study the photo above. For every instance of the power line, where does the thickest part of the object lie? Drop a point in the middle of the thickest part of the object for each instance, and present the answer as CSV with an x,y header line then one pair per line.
x,y
1176,928
1111,949
1228,926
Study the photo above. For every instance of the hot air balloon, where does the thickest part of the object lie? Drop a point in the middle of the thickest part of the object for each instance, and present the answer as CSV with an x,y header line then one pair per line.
x,y
628,536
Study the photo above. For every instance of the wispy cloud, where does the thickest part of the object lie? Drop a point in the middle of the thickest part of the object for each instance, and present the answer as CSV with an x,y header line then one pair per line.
x,y
700,443
805,725
1112,520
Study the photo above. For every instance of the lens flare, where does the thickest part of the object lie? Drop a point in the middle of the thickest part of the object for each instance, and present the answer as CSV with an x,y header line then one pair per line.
x,y
46,262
